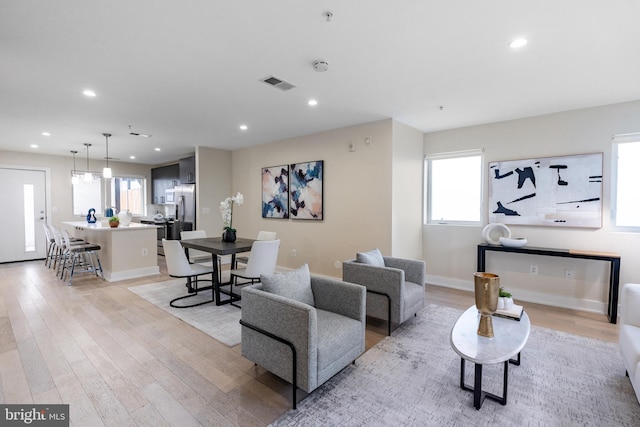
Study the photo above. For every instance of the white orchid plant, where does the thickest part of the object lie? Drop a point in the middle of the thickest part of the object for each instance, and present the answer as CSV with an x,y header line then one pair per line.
x,y
226,209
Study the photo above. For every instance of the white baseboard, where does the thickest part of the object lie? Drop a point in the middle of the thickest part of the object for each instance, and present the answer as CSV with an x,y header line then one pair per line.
x,y
526,296
131,274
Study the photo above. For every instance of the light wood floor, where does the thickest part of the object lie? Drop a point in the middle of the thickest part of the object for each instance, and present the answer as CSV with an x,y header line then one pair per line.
x,y
118,360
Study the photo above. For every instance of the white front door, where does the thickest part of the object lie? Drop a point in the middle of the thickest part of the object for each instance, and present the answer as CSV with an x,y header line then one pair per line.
x,y
22,213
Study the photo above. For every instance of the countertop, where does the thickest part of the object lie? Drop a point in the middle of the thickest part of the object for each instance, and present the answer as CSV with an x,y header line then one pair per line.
x,y
100,226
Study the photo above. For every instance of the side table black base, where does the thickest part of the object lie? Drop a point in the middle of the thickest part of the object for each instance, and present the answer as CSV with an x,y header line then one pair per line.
x,y
478,394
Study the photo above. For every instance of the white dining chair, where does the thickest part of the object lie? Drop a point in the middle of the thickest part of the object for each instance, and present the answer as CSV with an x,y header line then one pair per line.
x,y
194,254
262,235
262,260
202,256
178,266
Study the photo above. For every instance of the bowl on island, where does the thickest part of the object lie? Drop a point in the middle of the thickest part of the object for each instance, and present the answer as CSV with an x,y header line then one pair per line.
x,y
515,242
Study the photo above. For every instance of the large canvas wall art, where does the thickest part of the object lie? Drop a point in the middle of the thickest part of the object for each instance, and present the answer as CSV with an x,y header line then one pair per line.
x,y
305,195
553,191
275,192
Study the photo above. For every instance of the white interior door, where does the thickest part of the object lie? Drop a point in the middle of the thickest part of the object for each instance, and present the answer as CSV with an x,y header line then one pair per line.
x,y
22,215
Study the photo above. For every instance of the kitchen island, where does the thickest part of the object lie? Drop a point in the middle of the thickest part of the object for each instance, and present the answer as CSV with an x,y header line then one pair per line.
x,y
126,252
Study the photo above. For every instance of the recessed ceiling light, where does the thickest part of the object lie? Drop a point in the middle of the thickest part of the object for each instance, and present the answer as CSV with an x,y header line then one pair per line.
x,y
244,127
89,93
518,43
312,102
157,148
33,146
46,134
132,157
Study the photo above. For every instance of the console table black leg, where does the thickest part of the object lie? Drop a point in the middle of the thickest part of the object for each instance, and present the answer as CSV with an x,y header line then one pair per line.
x,y
614,283
481,259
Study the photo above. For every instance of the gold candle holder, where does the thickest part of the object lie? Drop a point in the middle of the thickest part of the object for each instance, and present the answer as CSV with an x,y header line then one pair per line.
x,y
487,286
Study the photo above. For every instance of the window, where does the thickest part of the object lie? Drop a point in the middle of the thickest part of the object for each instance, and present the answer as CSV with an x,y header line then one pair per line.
x,y
129,193
454,188
87,194
29,218
625,203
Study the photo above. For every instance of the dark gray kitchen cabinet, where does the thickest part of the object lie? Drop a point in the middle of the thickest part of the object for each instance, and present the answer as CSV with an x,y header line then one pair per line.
x,y
188,170
162,179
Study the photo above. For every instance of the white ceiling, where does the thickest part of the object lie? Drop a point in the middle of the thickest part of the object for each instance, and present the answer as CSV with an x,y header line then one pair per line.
x,y
188,72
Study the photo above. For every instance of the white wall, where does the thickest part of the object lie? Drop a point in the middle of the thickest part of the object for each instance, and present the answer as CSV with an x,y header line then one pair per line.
x,y
357,195
213,177
450,251
407,182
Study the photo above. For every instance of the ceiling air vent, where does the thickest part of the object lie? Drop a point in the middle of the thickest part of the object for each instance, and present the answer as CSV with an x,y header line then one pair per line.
x,y
279,83
144,135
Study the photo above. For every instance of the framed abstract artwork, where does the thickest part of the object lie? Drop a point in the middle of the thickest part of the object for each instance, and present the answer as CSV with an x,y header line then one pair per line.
x,y
553,191
305,194
275,192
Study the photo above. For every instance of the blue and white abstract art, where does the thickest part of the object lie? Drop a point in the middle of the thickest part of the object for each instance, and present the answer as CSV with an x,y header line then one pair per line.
x,y
275,192
305,195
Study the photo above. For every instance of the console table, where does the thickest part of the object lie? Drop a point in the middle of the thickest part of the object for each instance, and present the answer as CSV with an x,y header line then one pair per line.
x,y
613,259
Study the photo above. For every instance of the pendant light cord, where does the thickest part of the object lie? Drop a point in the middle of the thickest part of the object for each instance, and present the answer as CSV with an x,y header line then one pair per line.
x,y
107,135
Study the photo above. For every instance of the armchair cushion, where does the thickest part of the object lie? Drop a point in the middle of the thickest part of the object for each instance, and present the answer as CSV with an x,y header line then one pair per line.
x,y
295,285
373,257
339,343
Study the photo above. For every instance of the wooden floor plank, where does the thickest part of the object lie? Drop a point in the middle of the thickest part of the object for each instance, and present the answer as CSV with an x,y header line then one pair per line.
x,y
7,338
81,409
107,405
35,368
174,413
53,356
15,386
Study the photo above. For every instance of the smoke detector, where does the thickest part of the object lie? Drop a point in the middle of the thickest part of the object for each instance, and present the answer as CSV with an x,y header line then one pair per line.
x,y
320,66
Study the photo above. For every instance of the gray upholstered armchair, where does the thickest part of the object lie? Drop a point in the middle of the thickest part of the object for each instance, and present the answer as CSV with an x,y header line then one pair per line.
x,y
395,286
304,343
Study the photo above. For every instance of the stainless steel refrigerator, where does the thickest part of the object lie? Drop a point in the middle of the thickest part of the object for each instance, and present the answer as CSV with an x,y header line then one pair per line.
x,y
185,202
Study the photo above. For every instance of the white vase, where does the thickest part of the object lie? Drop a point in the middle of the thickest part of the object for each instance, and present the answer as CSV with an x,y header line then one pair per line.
x,y
501,303
125,217
508,303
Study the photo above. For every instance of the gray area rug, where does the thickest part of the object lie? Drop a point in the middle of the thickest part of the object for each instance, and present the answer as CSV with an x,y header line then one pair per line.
x,y
412,379
220,322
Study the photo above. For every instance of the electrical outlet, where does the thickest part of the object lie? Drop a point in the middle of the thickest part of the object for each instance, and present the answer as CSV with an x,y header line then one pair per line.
x,y
145,252
533,269
569,274
294,252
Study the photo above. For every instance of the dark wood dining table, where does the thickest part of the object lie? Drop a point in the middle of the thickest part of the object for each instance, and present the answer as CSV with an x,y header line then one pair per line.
x,y
216,247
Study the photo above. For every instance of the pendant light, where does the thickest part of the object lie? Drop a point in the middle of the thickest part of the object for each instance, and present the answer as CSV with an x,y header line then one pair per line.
x,y
88,176
75,179
106,172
